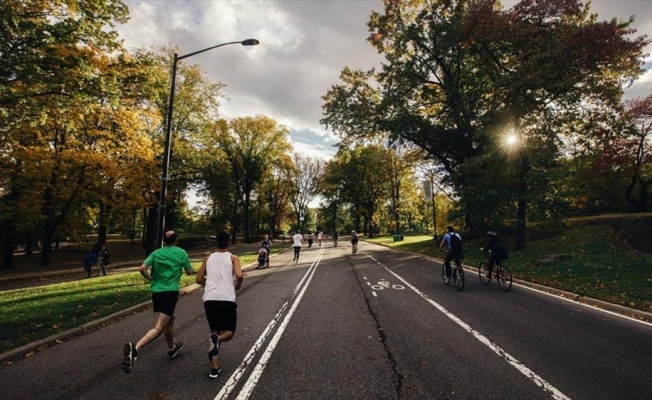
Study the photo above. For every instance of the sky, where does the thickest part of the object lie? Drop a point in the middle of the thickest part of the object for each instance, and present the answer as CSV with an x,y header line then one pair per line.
x,y
304,45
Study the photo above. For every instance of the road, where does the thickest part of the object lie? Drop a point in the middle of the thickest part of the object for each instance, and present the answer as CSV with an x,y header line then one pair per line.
x,y
379,324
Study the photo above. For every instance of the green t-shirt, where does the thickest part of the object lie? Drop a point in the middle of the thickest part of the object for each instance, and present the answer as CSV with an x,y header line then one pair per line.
x,y
167,266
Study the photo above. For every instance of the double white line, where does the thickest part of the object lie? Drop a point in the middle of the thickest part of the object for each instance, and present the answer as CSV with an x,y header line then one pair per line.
x,y
262,363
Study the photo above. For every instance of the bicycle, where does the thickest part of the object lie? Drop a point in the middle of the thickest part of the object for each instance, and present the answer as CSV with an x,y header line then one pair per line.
x,y
501,273
457,273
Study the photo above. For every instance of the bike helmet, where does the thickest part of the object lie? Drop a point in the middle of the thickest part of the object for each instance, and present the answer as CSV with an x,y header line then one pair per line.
x,y
491,233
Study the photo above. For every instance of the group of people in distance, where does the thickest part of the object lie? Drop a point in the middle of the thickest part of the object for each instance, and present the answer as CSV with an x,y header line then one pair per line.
x,y
220,274
297,240
452,241
93,255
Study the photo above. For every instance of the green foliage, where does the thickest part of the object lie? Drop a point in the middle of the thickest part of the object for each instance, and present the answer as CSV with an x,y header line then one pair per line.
x,y
461,74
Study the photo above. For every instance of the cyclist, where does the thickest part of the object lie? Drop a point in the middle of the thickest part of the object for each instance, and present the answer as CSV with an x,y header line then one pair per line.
x,y
497,249
453,242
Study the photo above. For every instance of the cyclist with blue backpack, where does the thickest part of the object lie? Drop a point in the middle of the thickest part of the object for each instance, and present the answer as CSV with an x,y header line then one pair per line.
x,y
453,242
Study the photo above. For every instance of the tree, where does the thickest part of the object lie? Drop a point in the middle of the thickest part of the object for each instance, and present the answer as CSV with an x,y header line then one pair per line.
x,y
276,193
253,144
456,72
359,176
638,147
306,176
400,164
66,125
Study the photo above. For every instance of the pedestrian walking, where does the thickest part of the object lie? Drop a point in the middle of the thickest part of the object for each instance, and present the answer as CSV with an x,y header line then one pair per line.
x,y
298,239
221,275
167,264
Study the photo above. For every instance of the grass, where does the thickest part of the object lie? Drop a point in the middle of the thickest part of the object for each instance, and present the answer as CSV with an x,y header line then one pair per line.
x,y
601,265
35,313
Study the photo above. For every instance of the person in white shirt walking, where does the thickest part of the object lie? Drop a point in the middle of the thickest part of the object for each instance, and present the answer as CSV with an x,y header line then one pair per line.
x,y
298,239
222,276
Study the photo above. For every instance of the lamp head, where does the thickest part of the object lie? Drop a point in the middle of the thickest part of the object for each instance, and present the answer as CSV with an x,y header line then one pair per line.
x,y
250,42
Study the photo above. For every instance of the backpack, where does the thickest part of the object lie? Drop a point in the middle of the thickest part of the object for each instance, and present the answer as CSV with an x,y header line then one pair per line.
x,y
456,242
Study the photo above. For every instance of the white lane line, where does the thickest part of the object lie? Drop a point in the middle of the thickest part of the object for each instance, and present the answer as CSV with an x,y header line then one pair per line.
x,y
239,372
374,293
578,303
539,381
249,386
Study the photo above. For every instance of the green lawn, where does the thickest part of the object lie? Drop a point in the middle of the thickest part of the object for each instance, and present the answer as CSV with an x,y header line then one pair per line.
x,y
601,264
35,313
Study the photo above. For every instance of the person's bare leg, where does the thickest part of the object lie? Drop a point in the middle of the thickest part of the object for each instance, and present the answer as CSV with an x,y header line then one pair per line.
x,y
161,325
223,336
169,334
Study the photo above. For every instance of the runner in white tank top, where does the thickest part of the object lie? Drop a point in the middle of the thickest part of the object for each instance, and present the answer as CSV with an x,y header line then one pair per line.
x,y
219,277
222,276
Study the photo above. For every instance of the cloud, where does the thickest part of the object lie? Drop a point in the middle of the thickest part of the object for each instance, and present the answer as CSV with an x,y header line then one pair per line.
x,y
304,45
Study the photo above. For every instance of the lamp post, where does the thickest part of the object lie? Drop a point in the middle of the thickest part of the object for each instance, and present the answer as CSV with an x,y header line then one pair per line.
x,y
168,136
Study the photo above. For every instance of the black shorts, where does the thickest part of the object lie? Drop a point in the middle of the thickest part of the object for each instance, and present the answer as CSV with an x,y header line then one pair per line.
x,y
221,315
165,302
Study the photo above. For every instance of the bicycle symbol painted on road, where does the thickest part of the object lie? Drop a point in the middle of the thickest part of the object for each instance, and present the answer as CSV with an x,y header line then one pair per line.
x,y
386,285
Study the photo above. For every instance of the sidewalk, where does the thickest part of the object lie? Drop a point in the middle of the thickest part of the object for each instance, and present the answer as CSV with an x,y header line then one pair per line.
x,y
32,276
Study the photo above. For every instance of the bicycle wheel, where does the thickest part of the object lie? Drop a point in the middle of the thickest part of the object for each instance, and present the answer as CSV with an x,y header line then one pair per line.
x,y
458,275
483,270
504,278
443,274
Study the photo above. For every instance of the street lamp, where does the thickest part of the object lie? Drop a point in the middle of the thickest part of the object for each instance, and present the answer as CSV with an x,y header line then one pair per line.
x,y
168,136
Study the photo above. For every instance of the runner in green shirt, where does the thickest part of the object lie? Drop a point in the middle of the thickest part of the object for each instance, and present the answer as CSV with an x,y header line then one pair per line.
x,y
167,265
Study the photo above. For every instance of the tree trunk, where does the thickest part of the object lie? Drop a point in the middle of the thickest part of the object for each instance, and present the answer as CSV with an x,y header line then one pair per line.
x,y
46,243
645,194
133,230
520,224
149,238
102,224
10,241
636,206
29,243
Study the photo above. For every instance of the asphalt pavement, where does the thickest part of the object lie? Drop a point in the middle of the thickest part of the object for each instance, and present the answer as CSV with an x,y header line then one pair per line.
x,y
378,324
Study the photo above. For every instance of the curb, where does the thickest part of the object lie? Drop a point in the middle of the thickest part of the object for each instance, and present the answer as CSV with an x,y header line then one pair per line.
x,y
632,313
30,349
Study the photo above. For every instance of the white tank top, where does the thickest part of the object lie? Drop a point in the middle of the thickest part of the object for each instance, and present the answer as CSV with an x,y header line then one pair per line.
x,y
220,284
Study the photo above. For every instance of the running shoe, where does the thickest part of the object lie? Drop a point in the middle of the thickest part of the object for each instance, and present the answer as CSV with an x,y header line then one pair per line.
x,y
215,372
214,347
131,354
177,346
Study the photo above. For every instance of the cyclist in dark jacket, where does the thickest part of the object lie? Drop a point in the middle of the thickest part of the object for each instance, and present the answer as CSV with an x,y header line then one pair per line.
x,y
497,249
